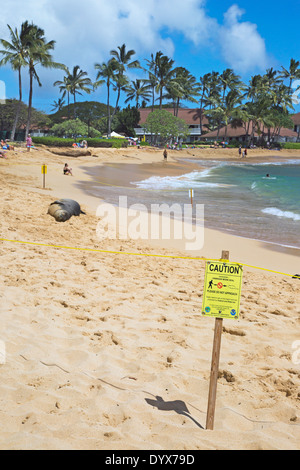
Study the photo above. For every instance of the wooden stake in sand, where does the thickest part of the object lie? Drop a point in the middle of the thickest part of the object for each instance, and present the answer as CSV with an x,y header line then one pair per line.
x,y
212,396
191,192
44,171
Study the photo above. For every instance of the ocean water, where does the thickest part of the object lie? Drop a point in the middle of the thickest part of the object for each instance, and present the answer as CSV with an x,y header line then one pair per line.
x,y
238,198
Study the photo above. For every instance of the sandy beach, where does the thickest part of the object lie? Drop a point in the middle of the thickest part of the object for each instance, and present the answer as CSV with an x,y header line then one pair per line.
x,y
106,348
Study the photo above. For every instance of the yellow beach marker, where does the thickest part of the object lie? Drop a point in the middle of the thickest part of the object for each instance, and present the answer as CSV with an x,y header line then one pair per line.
x,y
44,172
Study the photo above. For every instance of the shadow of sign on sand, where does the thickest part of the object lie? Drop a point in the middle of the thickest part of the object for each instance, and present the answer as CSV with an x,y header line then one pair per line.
x,y
175,405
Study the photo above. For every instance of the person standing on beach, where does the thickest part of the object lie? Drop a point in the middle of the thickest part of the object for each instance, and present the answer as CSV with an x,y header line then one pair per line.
x,y
165,154
240,150
29,143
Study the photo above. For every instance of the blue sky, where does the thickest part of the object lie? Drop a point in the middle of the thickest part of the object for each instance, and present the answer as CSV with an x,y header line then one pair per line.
x,y
199,35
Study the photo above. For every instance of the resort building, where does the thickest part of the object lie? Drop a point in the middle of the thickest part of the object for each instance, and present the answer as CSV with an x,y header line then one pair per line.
x,y
241,134
296,120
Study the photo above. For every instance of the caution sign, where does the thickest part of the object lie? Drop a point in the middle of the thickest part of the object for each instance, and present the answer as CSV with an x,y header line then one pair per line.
x,y
222,290
44,169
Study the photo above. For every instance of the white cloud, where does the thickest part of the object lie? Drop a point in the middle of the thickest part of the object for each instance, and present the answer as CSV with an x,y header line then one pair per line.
x,y
86,31
241,45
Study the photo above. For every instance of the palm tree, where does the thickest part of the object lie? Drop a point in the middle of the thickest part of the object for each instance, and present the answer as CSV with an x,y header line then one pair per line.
x,y
228,110
214,88
106,74
271,78
292,73
182,86
164,74
123,59
228,79
138,89
38,53
58,105
152,73
65,88
78,80
14,53
203,89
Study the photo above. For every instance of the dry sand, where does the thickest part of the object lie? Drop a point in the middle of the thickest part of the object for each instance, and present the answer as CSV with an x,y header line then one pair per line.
x,y
109,351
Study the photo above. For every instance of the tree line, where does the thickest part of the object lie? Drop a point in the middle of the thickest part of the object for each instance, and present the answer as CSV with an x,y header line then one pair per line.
x,y
265,102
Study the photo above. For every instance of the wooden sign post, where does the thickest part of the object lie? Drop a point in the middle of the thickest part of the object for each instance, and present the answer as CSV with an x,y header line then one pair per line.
x,y
212,396
44,171
221,299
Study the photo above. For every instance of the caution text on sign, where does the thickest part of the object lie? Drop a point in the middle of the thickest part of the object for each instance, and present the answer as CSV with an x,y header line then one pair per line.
x,y
222,290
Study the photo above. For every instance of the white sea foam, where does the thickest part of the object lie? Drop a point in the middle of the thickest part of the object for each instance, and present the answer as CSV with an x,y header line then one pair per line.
x,y
280,213
189,180
278,163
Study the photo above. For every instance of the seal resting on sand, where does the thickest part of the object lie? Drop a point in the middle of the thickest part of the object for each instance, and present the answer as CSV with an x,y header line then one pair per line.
x,y
63,209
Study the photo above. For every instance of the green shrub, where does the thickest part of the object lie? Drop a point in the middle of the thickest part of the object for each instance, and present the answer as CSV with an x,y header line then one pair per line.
x,y
60,142
144,144
291,145
53,141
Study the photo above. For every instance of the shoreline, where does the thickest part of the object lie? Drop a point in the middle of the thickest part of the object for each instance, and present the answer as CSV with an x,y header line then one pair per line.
x,y
244,250
121,173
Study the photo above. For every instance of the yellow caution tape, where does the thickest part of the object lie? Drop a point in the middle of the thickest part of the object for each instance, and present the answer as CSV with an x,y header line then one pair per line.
x,y
153,255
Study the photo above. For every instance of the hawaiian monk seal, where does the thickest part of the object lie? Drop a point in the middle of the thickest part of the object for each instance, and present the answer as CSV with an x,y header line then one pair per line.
x,y
63,209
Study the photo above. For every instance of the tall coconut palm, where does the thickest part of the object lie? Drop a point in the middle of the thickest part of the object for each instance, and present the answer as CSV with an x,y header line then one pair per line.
x,y
228,110
214,88
79,81
293,73
152,73
38,53
165,73
14,54
181,87
271,78
204,84
138,89
58,105
229,80
65,89
106,74
124,62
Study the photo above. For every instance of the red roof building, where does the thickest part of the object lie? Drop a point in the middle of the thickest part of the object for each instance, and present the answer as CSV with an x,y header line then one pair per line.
x,y
192,118
296,120
242,133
